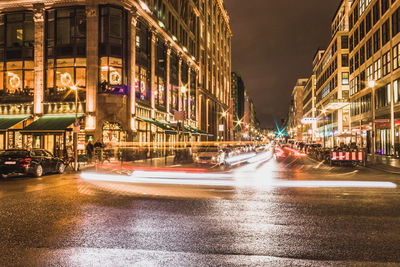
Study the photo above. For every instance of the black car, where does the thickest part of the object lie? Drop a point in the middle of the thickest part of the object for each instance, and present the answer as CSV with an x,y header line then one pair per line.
x,y
34,162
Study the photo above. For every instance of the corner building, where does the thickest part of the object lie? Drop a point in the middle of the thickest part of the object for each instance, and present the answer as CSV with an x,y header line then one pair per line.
x,y
134,63
374,74
332,83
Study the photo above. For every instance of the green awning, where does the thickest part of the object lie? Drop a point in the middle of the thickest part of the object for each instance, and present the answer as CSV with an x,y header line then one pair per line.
x,y
167,127
51,123
6,122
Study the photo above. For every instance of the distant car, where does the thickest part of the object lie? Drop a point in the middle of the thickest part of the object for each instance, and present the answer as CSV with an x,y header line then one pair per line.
x,y
34,162
209,155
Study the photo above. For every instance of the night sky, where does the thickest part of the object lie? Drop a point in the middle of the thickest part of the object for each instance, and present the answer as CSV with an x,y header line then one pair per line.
x,y
274,42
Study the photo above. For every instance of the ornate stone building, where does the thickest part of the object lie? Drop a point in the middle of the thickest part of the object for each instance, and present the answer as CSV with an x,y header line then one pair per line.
x,y
134,64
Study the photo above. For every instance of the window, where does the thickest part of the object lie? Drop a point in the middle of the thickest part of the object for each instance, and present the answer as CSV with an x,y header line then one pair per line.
x,y
368,48
345,42
66,53
396,22
382,96
193,86
345,60
385,32
362,30
174,69
377,70
113,50
386,63
376,12
377,41
385,6
396,91
362,80
356,61
143,62
351,44
356,37
16,57
396,56
370,73
368,22
362,55
345,78
160,72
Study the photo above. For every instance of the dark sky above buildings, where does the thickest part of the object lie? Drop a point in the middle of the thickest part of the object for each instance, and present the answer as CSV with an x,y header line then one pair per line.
x,y
273,44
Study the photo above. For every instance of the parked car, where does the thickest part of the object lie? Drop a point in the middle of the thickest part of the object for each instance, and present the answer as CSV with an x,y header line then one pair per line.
x,y
209,155
34,162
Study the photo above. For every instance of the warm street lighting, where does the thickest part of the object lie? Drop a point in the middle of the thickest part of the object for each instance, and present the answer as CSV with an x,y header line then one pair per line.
x,y
371,84
183,89
324,111
224,114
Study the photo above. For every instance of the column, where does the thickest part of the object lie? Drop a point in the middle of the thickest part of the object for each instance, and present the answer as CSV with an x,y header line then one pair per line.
x,y
180,106
39,12
92,43
168,80
373,125
153,73
132,68
188,95
392,122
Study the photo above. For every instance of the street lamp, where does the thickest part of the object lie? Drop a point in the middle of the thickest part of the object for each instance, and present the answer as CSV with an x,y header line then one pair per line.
x,y
76,124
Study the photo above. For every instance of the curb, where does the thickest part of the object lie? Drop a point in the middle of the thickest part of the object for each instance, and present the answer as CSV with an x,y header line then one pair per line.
x,y
383,170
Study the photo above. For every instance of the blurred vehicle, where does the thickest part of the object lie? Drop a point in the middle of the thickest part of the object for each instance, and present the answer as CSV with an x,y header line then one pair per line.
x,y
35,162
310,148
291,143
209,155
261,148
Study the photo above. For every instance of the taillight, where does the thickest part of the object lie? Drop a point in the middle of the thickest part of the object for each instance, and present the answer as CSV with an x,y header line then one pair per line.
x,y
25,161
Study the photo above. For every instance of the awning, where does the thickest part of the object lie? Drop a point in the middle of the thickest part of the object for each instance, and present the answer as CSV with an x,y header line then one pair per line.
x,y
51,123
6,122
166,126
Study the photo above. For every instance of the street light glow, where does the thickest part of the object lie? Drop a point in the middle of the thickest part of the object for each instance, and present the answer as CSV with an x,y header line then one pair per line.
x,y
183,89
371,84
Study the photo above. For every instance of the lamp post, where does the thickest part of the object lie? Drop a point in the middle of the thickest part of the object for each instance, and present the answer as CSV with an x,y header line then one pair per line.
x,y
76,124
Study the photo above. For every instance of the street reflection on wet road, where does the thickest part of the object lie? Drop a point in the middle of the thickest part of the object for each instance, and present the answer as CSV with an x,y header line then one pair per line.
x,y
279,212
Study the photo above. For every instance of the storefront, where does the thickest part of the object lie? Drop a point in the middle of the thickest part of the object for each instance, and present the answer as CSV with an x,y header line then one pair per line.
x,y
54,133
10,127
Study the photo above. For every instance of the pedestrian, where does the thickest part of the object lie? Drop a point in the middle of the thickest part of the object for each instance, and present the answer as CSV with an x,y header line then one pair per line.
x,y
89,150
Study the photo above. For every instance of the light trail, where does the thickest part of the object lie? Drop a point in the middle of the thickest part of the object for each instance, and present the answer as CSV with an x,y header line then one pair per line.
x,y
222,179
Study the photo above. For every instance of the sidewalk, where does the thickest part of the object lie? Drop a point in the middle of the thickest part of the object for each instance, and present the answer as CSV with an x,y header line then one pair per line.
x,y
384,163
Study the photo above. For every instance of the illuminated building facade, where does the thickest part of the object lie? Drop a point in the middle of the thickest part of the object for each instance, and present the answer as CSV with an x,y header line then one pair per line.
x,y
296,110
135,63
374,74
332,83
238,99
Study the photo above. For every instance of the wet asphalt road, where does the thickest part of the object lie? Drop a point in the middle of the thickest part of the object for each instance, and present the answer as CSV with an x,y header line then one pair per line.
x,y
66,221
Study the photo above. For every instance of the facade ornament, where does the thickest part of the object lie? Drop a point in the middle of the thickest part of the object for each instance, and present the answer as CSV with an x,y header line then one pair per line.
x,y
91,11
38,10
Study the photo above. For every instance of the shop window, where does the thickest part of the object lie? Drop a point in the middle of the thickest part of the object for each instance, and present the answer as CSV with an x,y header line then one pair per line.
x,y
142,84
66,53
16,57
113,50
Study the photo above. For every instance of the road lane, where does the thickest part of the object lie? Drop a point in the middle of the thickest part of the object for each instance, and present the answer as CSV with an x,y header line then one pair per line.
x,y
65,221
